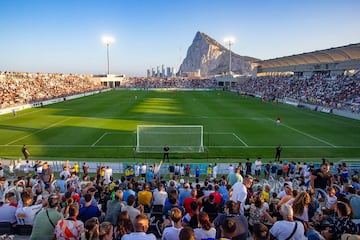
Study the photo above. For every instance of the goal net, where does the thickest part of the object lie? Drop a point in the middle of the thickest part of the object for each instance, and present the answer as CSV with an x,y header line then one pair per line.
x,y
179,138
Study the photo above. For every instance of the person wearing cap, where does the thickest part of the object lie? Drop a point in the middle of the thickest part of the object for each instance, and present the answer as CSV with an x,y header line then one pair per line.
x,y
91,191
47,219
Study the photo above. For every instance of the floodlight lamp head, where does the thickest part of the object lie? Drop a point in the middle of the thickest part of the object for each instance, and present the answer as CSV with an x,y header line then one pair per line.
x,y
229,40
108,40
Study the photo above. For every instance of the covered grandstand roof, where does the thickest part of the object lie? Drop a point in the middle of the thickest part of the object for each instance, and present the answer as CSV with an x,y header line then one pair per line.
x,y
331,55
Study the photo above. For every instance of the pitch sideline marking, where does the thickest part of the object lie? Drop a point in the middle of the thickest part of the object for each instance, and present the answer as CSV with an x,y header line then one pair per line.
x,y
306,134
38,131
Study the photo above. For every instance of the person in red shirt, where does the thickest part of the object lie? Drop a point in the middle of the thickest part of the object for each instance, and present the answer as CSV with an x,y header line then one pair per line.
x,y
217,195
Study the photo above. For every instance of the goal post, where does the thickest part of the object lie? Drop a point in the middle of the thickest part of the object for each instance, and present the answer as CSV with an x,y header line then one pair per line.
x,y
179,138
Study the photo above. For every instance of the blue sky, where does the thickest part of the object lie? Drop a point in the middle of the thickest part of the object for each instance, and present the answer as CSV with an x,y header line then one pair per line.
x,y
66,35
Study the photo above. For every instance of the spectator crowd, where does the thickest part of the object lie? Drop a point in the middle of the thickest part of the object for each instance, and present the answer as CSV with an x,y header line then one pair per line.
x,y
273,200
340,92
18,88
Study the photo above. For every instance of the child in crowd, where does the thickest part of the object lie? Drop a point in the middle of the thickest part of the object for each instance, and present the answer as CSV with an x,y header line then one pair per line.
x,y
331,199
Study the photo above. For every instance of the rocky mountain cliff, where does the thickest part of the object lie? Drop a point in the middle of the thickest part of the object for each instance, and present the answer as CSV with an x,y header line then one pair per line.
x,y
212,58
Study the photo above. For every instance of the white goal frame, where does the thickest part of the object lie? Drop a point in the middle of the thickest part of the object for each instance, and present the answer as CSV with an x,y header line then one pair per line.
x,y
174,147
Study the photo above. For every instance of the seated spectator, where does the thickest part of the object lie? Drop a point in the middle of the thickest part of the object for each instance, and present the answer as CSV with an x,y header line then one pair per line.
x,y
288,228
342,224
258,213
209,206
70,228
260,232
231,210
191,218
141,225
228,228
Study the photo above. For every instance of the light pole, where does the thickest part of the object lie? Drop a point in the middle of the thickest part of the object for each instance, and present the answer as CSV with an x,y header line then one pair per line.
x,y
229,41
108,41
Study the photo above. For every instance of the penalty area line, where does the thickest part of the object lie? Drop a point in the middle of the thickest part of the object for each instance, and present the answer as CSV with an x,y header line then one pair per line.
x,y
99,139
238,138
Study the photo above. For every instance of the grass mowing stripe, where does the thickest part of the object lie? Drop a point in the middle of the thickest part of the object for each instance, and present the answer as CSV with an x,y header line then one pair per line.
x,y
39,131
306,134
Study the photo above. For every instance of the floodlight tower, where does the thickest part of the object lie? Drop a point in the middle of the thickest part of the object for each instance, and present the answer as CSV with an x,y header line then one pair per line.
x,y
229,41
108,41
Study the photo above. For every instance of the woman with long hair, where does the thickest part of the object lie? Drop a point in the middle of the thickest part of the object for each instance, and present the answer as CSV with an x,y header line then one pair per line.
x,y
205,230
124,225
342,224
258,213
91,229
300,207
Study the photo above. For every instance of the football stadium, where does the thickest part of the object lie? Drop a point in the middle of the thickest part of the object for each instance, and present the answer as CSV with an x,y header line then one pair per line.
x,y
223,146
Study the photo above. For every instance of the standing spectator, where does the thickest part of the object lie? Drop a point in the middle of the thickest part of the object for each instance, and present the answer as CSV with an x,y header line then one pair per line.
x,y
197,172
85,168
278,153
91,229
187,171
108,175
26,214
234,177
172,232
70,228
209,171
113,207
141,225
159,195
25,152
231,168
215,170
240,192
182,170
46,220
206,231
47,174
171,170
88,210
133,212
248,166
258,165
143,171
321,178
267,170
137,171
144,198
166,152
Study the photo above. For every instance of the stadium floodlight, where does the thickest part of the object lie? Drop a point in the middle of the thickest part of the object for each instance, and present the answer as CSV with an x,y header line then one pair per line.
x,y
108,41
229,41
180,138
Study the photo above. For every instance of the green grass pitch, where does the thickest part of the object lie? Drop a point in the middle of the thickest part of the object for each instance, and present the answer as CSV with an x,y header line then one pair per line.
x,y
103,126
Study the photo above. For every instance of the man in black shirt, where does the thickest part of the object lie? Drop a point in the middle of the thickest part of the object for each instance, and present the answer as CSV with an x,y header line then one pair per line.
x,y
321,178
166,152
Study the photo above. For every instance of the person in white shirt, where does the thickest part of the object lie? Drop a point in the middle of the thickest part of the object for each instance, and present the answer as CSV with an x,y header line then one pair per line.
x,y
26,214
159,195
137,171
107,175
231,169
239,192
65,172
143,170
258,165
171,232
287,228
205,231
215,170
141,225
